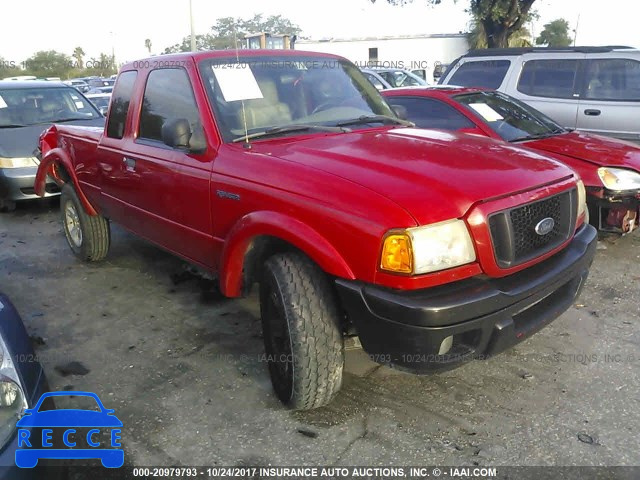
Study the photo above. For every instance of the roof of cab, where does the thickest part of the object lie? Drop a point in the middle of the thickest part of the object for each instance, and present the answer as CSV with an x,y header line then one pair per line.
x,y
242,53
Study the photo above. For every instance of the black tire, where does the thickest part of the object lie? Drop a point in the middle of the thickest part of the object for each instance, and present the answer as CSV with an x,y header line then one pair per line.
x,y
88,236
302,334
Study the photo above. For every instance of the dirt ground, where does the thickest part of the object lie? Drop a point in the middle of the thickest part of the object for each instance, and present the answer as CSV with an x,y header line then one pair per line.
x,y
182,368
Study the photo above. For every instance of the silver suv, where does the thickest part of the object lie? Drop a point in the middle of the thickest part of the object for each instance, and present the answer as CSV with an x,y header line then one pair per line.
x,y
595,89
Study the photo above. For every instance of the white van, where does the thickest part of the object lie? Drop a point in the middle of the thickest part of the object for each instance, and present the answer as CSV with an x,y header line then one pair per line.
x,y
595,89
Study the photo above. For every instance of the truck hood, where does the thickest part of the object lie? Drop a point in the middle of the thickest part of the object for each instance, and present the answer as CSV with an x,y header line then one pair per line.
x,y
434,175
23,141
593,149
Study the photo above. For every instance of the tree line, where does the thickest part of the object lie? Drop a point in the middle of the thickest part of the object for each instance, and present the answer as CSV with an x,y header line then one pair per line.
x,y
50,63
493,24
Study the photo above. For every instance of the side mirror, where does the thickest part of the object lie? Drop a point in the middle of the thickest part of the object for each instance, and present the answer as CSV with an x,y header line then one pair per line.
x,y
103,110
401,111
177,133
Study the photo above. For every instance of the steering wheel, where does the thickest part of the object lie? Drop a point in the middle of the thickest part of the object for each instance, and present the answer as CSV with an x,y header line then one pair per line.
x,y
333,102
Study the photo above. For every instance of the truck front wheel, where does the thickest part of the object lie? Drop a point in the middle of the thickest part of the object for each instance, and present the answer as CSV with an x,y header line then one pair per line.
x,y
88,236
302,335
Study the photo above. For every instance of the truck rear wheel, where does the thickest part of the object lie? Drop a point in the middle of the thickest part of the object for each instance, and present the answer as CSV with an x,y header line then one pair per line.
x,y
302,334
88,236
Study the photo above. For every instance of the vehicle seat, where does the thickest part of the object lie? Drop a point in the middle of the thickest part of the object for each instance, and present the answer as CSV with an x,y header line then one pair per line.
x,y
48,110
264,112
29,112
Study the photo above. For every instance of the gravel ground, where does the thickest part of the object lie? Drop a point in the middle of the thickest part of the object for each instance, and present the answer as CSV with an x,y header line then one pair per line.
x,y
182,368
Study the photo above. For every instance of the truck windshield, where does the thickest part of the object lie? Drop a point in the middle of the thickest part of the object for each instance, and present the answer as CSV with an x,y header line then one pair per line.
x,y
508,117
257,94
34,106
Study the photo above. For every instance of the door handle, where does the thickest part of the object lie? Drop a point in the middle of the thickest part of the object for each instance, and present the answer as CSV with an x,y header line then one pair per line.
x,y
592,112
129,164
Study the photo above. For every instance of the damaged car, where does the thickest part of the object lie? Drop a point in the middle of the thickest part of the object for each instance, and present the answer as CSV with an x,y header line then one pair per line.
x,y
610,168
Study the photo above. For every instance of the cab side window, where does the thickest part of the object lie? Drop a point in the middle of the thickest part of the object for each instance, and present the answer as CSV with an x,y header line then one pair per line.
x,y
120,101
549,78
613,79
167,96
482,73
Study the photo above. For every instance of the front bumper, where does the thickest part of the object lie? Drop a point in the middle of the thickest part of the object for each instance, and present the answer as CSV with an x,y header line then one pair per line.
x,y
17,184
484,316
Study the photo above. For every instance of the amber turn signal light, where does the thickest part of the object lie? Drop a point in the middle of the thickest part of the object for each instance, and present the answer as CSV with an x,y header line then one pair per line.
x,y
396,255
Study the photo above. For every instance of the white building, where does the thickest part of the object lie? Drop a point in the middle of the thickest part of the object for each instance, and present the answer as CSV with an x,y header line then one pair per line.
x,y
411,52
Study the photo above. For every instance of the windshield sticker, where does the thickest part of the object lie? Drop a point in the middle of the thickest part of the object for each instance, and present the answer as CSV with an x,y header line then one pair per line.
x,y
79,105
2,102
237,82
488,113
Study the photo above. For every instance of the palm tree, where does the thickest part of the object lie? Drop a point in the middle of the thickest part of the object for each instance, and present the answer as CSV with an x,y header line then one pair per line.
x,y
78,54
147,44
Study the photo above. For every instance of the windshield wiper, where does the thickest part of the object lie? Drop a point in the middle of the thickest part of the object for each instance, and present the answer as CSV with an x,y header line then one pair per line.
x,y
71,119
13,125
289,129
537,136
384,119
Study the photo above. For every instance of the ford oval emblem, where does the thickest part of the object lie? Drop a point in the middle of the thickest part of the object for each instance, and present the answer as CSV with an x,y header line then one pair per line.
x,y
545,226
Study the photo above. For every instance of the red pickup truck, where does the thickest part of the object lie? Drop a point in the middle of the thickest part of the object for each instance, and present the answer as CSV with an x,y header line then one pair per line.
x,y
288,169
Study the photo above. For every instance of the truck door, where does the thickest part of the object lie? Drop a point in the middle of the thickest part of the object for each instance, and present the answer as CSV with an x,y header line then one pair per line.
x,y
166,190
610,102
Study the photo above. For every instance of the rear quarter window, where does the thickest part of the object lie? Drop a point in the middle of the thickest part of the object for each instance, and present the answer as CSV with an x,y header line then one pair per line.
x,y
481,73
120,104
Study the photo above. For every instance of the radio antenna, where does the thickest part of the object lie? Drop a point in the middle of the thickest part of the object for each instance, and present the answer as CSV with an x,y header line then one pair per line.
x,y
244,112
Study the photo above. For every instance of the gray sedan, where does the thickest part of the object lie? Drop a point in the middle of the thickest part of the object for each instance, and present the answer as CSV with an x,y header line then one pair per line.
x,y
26,110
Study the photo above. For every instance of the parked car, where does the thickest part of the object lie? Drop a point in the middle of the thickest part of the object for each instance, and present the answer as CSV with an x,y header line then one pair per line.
x,y
100,101
610,168
376,80
288,169
98,90
22,383
80,85
594,89
397,77
96,82
26,110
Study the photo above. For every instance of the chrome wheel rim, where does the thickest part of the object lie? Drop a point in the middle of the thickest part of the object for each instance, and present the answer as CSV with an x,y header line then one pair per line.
x,y
72,224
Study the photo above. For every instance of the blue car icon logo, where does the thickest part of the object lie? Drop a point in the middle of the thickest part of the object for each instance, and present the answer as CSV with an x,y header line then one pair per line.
x,y
78,430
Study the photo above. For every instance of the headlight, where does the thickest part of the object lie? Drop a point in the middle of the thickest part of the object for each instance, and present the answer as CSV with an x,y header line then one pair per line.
x,y
427,249
618,179
12,398
18,162
582,200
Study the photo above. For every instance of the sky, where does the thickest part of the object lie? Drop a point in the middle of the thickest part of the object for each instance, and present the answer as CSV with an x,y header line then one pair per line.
x,y
123,25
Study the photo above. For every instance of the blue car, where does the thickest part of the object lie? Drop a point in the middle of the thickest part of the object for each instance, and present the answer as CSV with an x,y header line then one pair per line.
x,y
27,456
23,382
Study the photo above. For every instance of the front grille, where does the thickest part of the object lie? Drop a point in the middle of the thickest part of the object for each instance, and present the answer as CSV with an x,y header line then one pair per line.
x,y
513,231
